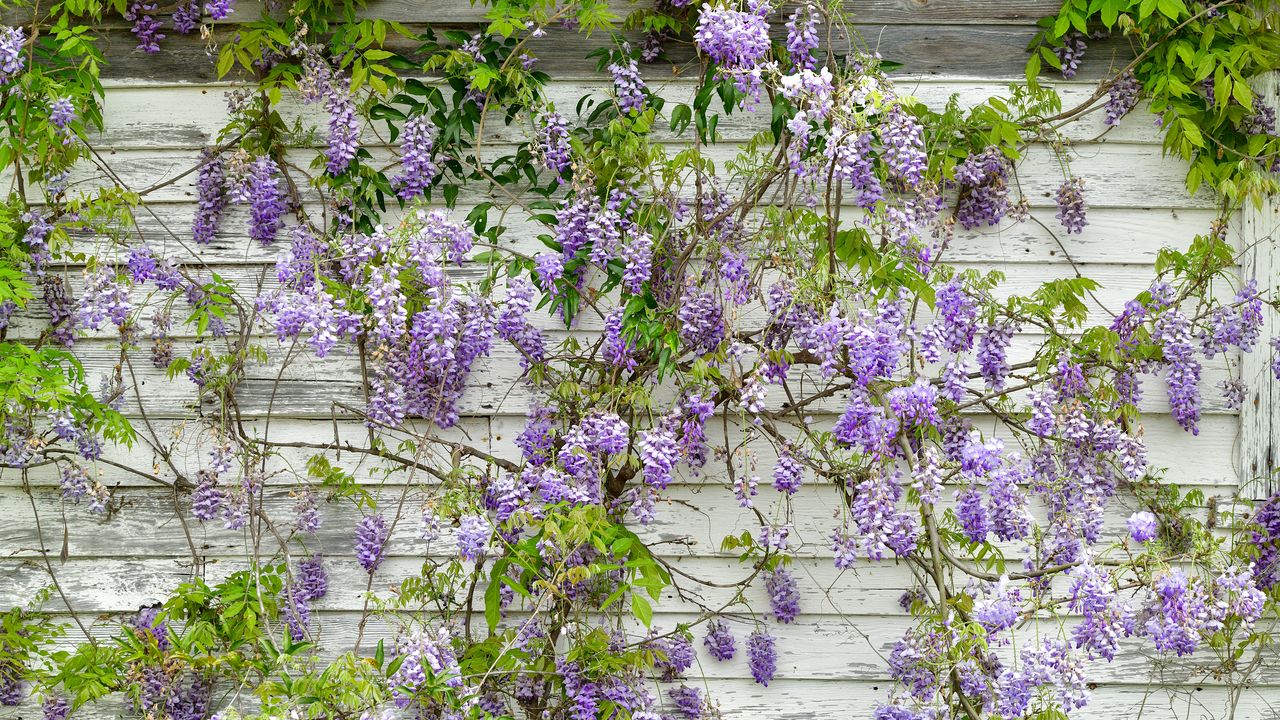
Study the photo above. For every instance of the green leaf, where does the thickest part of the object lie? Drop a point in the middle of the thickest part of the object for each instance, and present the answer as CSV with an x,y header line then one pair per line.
x,y
493,594
681,115
642,610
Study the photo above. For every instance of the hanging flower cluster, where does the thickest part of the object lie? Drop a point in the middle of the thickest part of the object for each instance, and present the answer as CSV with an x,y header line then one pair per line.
x,y
676,330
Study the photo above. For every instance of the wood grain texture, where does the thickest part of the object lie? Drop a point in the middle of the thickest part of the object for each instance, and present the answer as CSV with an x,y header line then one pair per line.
x,y
1260,416
812,699
1118,175
912,12
196,113
692,520
1204,462
964,50
831,660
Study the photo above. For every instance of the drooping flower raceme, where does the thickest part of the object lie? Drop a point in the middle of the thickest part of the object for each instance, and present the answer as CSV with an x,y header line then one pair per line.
x,y
1122,96
146,28
1070,54
784,597
1142,526
187,16
802,37
719,641
418,169
628,85
1071,207
211,195
371,541
12,59
553,138
737,41
762,657
266,200
220,9
903,141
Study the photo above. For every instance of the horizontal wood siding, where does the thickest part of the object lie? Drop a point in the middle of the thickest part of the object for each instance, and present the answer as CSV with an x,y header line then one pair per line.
x,y
160,110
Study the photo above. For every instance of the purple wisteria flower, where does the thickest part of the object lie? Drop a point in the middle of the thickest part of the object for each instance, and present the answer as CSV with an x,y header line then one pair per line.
x,y
1122,97
732,38
1107,618
473,536
737,42
207,498
701,322
997,608
627,84
1261,122
1071,207
762,657
187,16
1178,613
1070,54
903,139
719,641
146,28
104,298
802,37
659,454
553,140
880,523
12,59
956,323
344,127
984,189
993,347
306,513
311,579
688,701
211,197
788,474
618,350
56,707
220,9
1143,526
74,482
62,113
371,541
266,200
637,256
675,655
784,596
915,404
1173,330
418,169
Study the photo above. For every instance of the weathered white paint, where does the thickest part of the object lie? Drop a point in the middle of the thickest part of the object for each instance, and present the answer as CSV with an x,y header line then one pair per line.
x,y
830,664
1260,416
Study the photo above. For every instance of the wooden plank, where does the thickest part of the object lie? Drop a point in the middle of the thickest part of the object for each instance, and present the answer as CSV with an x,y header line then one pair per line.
x,y
692,520
1260,416
826,649
1118,175
1205,460
911,12
815,699
1128,236
1117,283
309,387
196,113
979,51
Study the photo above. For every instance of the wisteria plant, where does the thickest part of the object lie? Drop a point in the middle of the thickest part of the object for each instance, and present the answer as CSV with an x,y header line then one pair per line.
x,y
769,318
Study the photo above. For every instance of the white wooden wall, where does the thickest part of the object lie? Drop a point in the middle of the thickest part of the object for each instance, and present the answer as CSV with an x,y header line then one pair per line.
x,y
158,118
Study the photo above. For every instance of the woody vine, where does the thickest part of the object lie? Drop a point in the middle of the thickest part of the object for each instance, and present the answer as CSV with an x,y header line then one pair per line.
x,y
771,318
